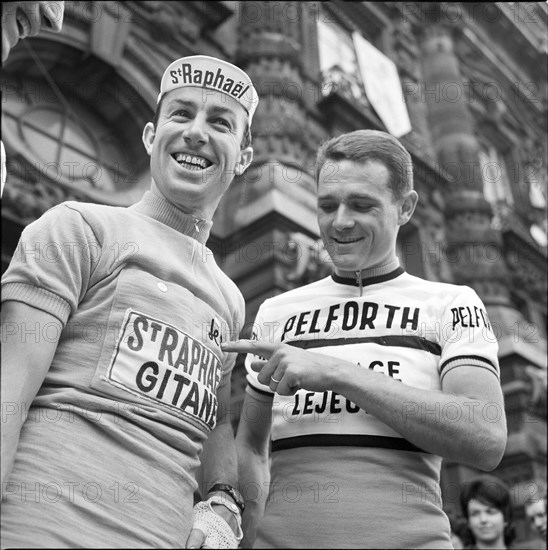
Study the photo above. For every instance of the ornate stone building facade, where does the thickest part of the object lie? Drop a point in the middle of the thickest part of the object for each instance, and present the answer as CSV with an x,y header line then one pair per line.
x,y
474,88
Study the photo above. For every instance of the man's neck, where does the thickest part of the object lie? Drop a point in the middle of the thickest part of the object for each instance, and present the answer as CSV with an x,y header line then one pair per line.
x,y
200,213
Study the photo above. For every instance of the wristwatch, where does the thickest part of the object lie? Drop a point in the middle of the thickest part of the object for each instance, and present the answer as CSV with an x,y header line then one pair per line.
x,y
232,492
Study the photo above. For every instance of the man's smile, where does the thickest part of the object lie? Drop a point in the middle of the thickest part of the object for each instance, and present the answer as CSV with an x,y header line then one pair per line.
x,y
191,162
347,240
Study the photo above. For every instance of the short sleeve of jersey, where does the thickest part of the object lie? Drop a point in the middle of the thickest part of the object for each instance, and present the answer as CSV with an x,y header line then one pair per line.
x,y
259,332
52,265
467,337
236,323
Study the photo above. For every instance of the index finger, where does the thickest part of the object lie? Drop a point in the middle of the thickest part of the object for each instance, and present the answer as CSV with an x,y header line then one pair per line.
x,y
256,347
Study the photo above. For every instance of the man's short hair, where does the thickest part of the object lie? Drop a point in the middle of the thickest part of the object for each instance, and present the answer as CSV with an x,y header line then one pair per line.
x,y
246,140
371,145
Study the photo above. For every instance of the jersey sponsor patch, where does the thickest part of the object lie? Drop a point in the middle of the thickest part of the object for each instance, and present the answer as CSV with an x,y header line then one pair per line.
x,y
157,361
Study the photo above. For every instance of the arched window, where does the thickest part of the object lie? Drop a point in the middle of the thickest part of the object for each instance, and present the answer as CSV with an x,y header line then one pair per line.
x,y
66,142
71,126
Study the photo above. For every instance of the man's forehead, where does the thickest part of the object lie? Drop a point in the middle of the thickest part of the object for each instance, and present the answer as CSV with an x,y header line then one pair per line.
x,y
334,166
348,176
337,195
200,97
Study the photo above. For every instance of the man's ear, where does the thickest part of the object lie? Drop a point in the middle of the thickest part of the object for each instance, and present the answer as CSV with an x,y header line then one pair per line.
x,y
246,156
407,206
149,133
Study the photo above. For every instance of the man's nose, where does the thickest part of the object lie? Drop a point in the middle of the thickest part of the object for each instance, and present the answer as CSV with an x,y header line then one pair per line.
x,y
343,218
196,130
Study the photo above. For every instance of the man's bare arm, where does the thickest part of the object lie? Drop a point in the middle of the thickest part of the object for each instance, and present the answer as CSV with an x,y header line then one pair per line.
x,y
26,359
253,467
219,461
474,436
464,422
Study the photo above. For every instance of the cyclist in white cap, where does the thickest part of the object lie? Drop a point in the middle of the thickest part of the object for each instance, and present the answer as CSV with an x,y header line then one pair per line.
x,y
108,405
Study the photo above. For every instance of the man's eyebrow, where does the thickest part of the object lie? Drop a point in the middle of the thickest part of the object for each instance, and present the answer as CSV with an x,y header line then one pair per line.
x,y
212,110
352,196
220,110
363,196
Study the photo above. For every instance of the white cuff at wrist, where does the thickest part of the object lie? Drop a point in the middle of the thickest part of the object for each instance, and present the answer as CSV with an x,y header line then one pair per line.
x,y
224,502
218,533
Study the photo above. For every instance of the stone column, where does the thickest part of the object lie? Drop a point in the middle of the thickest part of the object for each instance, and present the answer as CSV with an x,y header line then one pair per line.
x,y
269,212
275,198
474,249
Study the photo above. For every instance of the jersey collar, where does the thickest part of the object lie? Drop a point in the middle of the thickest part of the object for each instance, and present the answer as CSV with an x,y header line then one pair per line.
x,y
373,275
163,211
